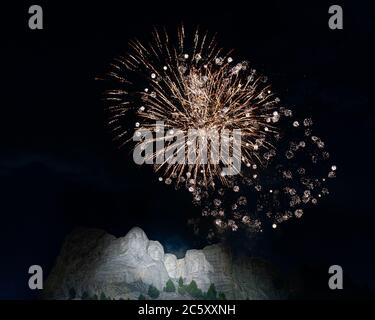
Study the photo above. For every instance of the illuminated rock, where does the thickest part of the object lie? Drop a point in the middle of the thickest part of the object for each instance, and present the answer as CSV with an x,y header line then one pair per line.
x,y
92,263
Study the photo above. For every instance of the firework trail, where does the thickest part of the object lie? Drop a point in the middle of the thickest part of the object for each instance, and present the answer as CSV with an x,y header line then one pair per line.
x,y
178,84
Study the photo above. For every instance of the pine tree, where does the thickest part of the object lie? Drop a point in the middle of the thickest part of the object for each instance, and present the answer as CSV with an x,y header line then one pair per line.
x,y
211,292
181,291
153,292
170,287
194,291
222,296
180,282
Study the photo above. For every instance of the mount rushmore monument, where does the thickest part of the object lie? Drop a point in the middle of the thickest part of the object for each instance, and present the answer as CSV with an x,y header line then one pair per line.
x,y
96,265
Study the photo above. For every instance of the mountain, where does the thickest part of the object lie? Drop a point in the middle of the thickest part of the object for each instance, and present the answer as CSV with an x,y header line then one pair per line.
x,y
96,265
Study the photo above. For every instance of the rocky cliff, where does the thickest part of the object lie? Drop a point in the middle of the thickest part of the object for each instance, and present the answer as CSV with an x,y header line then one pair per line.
x,y
93,263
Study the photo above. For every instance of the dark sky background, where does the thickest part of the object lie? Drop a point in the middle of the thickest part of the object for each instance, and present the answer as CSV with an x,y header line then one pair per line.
x,y
59,168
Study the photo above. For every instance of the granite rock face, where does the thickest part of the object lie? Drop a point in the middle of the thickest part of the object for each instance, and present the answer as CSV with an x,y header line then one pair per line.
x,y
95,263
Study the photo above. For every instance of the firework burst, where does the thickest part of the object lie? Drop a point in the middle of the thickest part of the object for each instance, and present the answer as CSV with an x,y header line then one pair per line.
x,y
176,85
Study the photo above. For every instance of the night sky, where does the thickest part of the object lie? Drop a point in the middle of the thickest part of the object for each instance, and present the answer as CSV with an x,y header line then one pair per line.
x,y
59,168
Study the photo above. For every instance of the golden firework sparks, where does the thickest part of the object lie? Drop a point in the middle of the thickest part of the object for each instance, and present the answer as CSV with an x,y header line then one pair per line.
x,y
170,87
195,87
